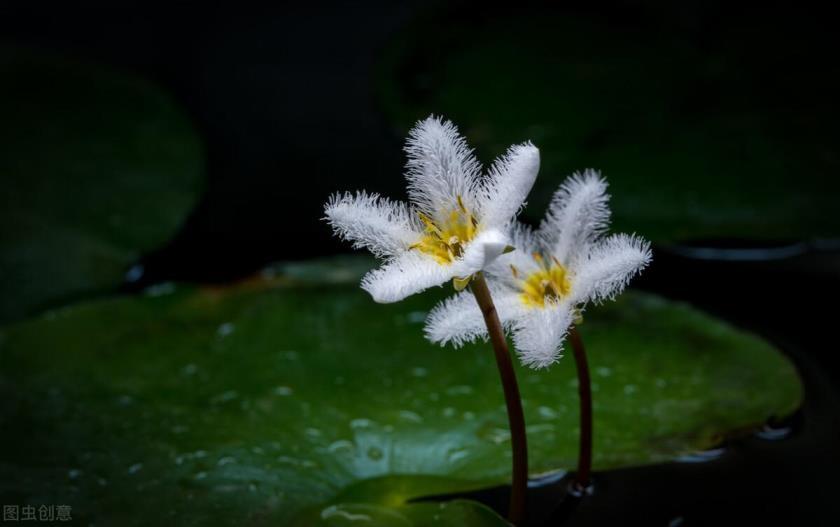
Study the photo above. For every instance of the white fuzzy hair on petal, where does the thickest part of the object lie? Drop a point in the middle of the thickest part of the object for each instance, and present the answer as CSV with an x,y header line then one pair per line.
x,y
577,215
608,267
458,319
538,335
510,180
440,167
480,252
455,320
370,221
525,242
405,275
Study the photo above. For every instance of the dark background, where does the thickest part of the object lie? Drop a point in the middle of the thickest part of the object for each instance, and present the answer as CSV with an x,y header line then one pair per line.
x,y
284,98
284,95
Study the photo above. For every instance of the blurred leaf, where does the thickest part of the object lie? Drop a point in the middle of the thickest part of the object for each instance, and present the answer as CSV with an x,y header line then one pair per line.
x,y
97,167
692,141
268,403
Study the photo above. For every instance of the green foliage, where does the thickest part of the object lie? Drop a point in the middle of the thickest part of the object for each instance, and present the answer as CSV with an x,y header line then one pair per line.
x,y
693,144
283,402
96,166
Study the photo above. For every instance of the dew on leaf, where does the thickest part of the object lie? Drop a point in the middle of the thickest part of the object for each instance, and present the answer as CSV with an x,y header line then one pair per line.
x,y
412,417
341,445
225,329
375,453
283,391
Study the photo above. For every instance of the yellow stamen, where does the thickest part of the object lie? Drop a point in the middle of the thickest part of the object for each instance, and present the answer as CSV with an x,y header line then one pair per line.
x,y
547,284
444,240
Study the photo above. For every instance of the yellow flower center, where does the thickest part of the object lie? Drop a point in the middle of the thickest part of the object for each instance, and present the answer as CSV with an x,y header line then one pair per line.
x,y
548,284
445,240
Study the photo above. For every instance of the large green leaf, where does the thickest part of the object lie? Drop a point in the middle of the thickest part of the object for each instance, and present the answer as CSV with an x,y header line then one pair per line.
x,y
96,167
657,115
280,401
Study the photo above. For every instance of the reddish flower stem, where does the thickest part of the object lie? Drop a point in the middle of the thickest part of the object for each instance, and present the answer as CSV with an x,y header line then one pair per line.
x,y
582,476
516,418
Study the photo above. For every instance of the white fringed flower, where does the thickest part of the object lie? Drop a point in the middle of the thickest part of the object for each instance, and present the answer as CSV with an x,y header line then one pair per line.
x,y
543,286
457,220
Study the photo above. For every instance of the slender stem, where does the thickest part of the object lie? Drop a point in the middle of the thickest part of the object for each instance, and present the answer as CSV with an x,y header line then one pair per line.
x,y
516,419
585,395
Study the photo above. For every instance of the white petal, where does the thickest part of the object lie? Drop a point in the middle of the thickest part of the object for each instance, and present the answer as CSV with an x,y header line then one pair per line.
x,y
368,220
538,336
510,180
480,252
440,167
577,215
525,243
608,267
409,273
458,319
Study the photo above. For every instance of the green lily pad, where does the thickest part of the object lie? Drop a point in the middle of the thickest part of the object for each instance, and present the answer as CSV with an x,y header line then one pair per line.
x,y
97,167
656,113
274,403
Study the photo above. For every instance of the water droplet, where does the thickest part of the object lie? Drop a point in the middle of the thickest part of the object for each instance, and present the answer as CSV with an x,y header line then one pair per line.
x,y
283,391
227,460
630,389
456,454
375,453
225,397
163,289
536,429
661,383
408,415
312,433
546,413
462,389
135,468
342,445
179,429
225,329
603,371
290,355
703,456
448,412
295,462
771,433
190,369
468,416
337,511
201,475
134,273
125,400
361,423
496,435
74,473
419,372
